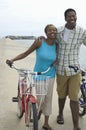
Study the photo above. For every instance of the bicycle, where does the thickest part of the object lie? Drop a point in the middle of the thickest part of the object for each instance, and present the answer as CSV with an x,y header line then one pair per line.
x,y
82,94
27,102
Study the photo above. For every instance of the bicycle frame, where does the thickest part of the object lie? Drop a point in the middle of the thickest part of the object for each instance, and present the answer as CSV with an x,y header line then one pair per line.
x,y
26,96
26,100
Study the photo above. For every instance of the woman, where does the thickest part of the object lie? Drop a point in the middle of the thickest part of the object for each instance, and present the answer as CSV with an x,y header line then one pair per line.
x,y
45,56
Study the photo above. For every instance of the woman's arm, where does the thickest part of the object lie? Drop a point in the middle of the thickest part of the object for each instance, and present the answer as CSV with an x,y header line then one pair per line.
x,y
33,47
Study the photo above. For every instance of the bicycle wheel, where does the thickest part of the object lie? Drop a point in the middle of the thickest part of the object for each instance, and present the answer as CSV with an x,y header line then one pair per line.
x,y
31,117
19,105
82,109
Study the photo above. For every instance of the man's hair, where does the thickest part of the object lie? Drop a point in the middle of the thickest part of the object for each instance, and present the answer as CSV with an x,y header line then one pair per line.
x,y
68,10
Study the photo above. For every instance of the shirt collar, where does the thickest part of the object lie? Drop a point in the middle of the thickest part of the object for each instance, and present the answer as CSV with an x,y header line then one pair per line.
x,y
61,29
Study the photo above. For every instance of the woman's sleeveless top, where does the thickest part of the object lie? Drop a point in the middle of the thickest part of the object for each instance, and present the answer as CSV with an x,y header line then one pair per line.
x,y
45,56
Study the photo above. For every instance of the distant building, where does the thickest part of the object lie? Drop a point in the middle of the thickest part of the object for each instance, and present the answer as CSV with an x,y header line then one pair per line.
x,y
20,37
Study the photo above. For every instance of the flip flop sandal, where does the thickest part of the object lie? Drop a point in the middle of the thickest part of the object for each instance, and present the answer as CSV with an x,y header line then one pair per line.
x,y
60,120
45,128
78,129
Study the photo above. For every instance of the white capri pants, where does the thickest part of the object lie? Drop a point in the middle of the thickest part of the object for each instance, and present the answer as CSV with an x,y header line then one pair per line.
x,y
46,105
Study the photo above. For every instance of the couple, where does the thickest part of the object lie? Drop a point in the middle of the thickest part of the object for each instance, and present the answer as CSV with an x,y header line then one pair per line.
x,y
65,42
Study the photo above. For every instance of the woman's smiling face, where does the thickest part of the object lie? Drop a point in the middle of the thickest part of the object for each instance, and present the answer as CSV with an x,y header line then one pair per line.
x,y
51,31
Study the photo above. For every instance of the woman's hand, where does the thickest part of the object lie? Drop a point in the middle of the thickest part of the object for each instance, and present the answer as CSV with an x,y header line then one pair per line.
x,y
9,62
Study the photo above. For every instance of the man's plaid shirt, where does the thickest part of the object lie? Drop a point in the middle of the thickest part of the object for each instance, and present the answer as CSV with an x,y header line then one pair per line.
x,y
68,52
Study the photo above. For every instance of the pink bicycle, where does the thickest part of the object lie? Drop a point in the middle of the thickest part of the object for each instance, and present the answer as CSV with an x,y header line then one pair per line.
x,y
30,84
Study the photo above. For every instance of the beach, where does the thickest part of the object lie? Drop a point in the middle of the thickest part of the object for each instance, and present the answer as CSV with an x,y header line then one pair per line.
x,y
8,89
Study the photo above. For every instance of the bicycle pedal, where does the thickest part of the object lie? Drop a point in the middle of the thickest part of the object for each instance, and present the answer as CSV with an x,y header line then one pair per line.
x,y
15,99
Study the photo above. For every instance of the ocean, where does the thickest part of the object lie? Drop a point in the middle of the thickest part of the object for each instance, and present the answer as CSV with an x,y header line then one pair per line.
x,y
82,56
27,42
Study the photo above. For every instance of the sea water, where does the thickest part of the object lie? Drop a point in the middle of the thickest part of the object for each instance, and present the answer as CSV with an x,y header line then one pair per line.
x,y
27,42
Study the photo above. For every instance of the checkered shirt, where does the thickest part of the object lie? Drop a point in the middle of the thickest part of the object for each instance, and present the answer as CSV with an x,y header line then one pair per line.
x,y
68,52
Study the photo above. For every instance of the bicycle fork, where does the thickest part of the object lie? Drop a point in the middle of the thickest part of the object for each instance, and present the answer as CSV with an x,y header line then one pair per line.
x,y
29,100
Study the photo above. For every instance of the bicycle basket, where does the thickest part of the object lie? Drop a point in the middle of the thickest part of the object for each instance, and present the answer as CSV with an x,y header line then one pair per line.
x,y
40,83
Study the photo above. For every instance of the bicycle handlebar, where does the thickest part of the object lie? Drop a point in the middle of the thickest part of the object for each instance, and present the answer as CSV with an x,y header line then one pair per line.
x,y
76,68
26,71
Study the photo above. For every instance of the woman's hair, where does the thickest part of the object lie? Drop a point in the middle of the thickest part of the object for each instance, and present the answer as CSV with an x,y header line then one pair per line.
x,y
69,10
45,30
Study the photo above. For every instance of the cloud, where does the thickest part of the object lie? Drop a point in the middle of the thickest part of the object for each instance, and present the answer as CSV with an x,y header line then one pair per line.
x,y
26,16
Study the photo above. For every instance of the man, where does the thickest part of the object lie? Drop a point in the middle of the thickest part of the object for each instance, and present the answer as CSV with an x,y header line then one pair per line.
x,y
69,37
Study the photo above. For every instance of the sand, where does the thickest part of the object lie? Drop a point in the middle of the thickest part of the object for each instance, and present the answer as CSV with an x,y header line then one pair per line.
x,y
8,89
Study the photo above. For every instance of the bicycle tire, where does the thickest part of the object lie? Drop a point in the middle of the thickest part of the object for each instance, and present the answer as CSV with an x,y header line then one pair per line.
x,y
19,105
31,117
82,110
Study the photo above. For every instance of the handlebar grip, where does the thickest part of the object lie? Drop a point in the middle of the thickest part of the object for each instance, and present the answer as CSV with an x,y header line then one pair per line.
x,y
71,66
39,73
76,68
10,65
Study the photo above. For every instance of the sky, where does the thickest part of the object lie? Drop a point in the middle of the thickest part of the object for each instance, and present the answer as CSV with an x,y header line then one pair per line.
x,y
29,17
